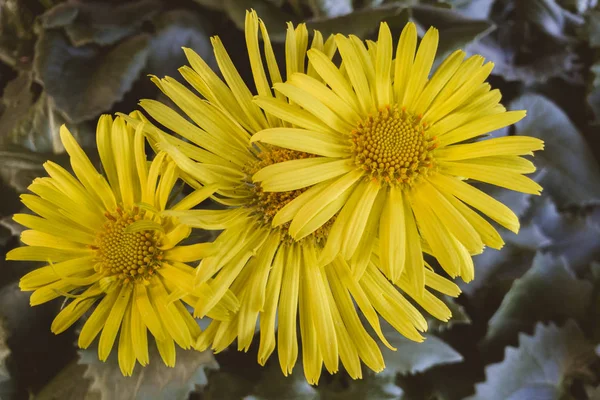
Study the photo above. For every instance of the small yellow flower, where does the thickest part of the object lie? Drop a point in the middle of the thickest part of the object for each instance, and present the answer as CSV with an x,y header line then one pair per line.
x,y
107,244
275,277
391,148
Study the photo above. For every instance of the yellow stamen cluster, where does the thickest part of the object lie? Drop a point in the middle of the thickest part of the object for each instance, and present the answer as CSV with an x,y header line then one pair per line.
x,y
127,255
392,146
267,204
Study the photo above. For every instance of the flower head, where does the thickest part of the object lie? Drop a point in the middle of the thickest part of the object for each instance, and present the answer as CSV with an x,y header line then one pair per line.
x,y
107,244
389,150
275,277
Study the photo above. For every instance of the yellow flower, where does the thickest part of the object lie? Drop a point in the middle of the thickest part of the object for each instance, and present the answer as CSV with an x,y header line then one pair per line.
x,y
106,242
275,277
390,151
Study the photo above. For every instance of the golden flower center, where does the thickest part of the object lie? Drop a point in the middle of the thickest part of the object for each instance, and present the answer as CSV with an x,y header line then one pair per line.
x,y
127,255
393,147
268,204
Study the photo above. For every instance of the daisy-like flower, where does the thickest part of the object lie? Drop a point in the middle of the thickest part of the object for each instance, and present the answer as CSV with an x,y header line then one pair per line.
x,y
389,152
107,245
277,279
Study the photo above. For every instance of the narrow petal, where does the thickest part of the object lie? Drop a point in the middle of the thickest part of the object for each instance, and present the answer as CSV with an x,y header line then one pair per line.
x,y
96,321
298,174
105,150
320,310
325,95
312,358
507,146
358,220
367,348
126,352
392,235
195,198
356,73
488,233
85,171
495,176
405,54
450,217
319,143
421,68
269,312
477,199
480,126
113,322
287,312
139,336
383,66
315,106
75,310
437,236
320,200
147,312
333,78
237,86
441,76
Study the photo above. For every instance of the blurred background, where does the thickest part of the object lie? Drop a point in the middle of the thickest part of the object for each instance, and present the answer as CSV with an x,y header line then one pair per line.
x,y
528,327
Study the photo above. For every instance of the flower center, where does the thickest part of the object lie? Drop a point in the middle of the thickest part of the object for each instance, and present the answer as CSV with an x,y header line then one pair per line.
x,y
127,255
267,204
392,146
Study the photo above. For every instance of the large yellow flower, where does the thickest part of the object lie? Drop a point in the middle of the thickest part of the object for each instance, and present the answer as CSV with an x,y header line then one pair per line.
x,y
275,277
389,150
106,242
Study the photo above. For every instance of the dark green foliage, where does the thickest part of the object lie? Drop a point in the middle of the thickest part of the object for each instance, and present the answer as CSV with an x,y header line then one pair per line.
x,y
527,327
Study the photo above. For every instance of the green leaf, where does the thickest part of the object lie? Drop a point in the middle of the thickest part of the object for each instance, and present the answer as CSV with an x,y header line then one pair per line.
x,y
572,174
69,384
6,383
174,30
155,381
4,353
100,23
273,385
412,357
593,97
330,8
19,167
16,34
540,366
546,15
273,16
459,316
34,125
86,81
593,393
572,234
478,9
593,27
218,5
381,386
548,291
17,100
228,385
30,339
39,129
361,22
456,30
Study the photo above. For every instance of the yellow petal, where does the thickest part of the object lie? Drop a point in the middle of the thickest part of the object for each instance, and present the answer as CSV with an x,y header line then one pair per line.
x,y
113,322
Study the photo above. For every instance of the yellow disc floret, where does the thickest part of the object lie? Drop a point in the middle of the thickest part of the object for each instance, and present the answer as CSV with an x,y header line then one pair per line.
x,y
267,204
392,146
127,255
